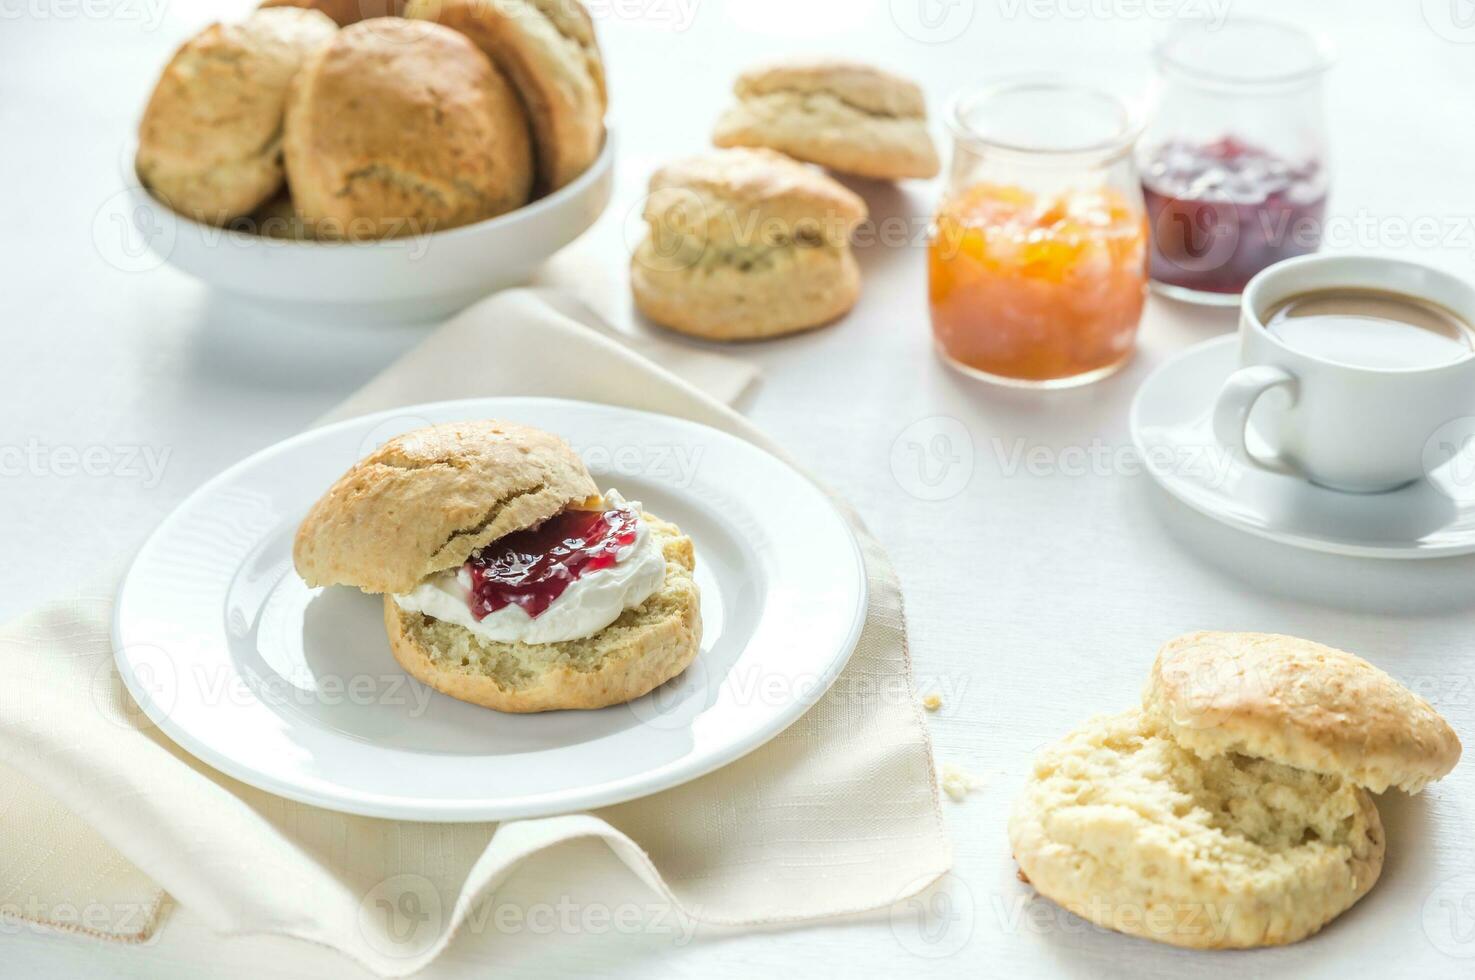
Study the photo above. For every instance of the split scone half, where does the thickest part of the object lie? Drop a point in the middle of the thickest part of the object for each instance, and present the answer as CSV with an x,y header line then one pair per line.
x,y
509,581
1233,809
1130,830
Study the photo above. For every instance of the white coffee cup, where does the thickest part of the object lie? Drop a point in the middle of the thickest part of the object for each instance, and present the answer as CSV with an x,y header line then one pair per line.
x,y
1358,429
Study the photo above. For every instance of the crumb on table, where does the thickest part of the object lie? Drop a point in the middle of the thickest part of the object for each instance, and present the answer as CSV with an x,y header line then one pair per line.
x,y
958,783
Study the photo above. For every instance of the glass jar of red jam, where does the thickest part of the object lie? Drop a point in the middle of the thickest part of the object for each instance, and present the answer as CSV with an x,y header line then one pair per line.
x,y
1234,161
1037,261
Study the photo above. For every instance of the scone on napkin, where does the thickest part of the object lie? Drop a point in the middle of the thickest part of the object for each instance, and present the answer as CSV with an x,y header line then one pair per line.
x,y
1233,809
509,581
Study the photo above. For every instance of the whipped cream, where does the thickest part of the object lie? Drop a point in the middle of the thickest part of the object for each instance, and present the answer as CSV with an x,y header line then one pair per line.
x,y
589,603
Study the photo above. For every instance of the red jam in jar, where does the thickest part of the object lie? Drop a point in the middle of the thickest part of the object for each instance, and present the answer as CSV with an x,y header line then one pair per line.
x,y
1222,211
532,568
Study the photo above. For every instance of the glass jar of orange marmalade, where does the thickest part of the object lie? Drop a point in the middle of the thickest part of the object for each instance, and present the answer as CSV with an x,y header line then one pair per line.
x,y
1037,261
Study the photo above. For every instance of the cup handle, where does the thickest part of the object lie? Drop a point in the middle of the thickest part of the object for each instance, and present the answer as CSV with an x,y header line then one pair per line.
x,y
1237,399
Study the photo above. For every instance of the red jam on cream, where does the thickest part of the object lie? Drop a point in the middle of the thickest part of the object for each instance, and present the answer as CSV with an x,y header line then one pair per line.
x,y
532,568
565,579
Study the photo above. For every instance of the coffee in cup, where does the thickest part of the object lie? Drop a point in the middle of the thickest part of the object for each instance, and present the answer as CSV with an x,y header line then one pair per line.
x,y
1370,328
1350,366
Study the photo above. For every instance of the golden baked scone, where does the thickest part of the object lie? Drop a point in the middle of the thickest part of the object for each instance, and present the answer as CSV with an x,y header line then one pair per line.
x,y
425,500
549,52
746,244
1126,828
345,12
210,142
634,655
400,127
1299,703
850,117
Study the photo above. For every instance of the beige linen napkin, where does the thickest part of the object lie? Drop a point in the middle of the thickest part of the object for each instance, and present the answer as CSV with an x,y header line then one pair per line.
x,y
100,813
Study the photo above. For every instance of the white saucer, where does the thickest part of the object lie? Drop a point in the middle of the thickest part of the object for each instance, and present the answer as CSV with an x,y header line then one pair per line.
x,y
1170,424
294,690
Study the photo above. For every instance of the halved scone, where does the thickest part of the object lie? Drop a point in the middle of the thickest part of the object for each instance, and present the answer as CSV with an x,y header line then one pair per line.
x,y
641,650
509,581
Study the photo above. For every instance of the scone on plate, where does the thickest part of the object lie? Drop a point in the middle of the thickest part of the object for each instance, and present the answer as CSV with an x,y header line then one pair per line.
x,y
746,244
850,117
509,581
550,54
401,127
1233,809
210,142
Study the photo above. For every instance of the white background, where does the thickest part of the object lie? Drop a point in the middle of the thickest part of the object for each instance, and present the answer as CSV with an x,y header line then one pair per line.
x,y
1035,598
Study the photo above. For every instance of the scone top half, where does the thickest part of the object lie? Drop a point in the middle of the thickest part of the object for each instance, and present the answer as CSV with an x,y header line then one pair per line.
x,y
423,502
1300,704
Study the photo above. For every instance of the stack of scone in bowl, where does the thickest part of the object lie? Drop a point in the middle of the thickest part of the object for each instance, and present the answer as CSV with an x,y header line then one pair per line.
x,y
1233,809
509,581
456,112
456,144
749,242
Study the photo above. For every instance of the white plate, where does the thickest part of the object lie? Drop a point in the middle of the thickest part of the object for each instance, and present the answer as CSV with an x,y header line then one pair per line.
x,y
1170,423
294,690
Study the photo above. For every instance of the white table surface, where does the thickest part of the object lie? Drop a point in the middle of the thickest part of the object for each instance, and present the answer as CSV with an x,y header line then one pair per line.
x,y
1036,597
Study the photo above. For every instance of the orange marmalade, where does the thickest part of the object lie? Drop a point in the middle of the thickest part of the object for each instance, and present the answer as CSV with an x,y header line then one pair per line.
x,y
1036,288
